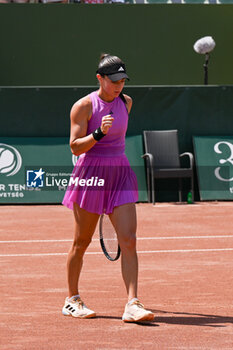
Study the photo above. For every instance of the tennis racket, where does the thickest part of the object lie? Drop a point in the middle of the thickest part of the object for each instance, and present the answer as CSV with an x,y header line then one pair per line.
x,y
108,239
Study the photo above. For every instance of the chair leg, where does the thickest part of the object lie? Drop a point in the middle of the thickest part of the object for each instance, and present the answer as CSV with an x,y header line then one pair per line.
x,y
180,190
153,190
148,185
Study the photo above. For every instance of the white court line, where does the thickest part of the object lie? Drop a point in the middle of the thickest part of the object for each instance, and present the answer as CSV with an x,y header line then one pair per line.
x,y
38,241
138,238
194,205
139,252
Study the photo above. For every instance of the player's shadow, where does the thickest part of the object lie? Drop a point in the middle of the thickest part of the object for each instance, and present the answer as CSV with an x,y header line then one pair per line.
x,y
181,318
143,323
108,317
192,319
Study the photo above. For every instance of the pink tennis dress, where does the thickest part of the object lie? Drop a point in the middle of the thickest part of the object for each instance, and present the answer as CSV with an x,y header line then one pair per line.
x,y
102,177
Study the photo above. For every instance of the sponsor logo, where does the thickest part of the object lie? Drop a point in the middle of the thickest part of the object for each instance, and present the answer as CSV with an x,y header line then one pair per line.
x,y
121,69
35,178
10,160
74,159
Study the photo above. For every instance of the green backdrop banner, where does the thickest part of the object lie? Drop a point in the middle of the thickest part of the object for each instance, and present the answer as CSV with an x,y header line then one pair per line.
x,y
214,161
37,170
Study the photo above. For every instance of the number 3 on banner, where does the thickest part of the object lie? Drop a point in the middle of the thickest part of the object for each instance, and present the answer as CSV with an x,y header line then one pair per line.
x,y
223,161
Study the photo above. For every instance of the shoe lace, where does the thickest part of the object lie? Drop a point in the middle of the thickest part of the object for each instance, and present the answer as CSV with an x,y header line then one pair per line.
x,y
137,302
78,301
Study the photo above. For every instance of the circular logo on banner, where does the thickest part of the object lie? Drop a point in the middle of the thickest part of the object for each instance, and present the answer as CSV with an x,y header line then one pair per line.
x,y
10,160
74,159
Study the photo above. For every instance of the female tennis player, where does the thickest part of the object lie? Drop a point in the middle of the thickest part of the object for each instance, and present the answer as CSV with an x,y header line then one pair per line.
x,y
98,127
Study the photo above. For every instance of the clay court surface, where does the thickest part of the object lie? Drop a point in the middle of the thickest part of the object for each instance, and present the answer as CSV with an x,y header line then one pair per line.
x,y
186,277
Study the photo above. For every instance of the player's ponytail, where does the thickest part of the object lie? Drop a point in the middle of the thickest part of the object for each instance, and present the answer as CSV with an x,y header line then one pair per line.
x,y
123,98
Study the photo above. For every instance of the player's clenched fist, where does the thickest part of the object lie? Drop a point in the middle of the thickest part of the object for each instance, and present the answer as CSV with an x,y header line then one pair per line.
x,y
106,123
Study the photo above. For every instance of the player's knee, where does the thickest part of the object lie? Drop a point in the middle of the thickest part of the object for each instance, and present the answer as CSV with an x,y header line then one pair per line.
x,y
128,242
81,244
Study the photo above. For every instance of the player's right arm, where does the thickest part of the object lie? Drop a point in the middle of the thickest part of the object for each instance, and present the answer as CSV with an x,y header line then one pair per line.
x,y
80,114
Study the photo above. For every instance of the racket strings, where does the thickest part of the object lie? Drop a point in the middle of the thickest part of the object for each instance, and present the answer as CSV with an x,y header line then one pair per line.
x,y
109,238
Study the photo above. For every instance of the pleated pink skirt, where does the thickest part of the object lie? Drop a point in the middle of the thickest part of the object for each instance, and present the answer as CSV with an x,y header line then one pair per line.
x,y
100,183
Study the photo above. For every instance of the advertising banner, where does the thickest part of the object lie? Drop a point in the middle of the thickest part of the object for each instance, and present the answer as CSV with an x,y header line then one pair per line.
x,y
38,169
214,161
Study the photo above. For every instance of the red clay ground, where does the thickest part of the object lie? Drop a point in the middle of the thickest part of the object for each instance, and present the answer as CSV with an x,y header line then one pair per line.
x,y
186,263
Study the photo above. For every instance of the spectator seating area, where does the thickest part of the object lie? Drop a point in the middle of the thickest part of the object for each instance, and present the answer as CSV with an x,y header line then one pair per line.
x,y
121,1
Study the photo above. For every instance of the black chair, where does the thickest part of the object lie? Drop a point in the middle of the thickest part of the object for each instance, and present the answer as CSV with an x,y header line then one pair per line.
x,y
163,160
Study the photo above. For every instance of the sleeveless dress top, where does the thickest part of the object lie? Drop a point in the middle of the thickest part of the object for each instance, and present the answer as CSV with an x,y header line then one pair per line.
x,y
102,177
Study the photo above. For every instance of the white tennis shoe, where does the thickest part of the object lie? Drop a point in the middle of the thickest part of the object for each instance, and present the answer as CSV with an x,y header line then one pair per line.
x,y
75,307
135,311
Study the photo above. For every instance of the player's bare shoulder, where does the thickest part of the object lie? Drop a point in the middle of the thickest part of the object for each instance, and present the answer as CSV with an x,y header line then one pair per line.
x,y
82,109
129,102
